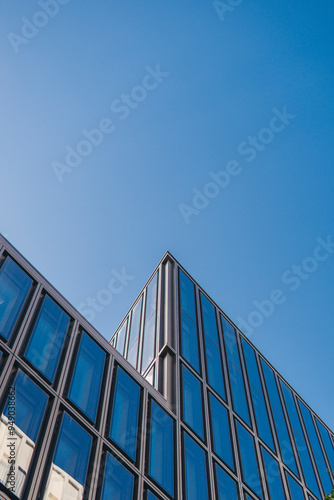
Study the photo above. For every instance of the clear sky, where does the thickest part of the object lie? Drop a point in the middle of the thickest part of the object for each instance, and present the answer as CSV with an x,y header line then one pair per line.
x,y
215,141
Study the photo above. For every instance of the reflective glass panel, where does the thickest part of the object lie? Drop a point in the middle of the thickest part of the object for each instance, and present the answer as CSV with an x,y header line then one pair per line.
x,y
316,449
274,481
226,486
192,402
118,482
196,482
189,341
125,411
87,376
150,496
221,432
19,427
161,464
296,492
236,379
187,296
14,288
280,424
47,338
149,324
121,338
327,443
250,470
209,319
134,333
70,462
303,452
259,404
214,367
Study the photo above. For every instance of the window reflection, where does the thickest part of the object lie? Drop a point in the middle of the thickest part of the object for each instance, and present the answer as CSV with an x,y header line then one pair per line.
x,y
196,482
189,339
192,402
226,486
149,324
273,477
68,472
19,427
134,333
296,492
14,288
221,436
250,470
47,338
121,338
118,482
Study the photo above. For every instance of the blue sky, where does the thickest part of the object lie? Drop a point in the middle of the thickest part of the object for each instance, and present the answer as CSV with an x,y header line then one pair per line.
x,y
181,89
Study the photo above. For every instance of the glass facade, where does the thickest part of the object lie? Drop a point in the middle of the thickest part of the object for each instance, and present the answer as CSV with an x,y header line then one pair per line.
x,y
192,411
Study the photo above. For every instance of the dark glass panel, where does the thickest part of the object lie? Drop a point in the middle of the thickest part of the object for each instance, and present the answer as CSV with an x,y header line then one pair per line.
x,y
87,377
149,324
118,482
134,333
161,457
259,404
14,288
327,443
296,492
196,483
125,413
189,345
273,477
150,496
250,470
227,487
221,437
209,320
280,424
72,451
192,402
316,448
187,298
121,338
47,338
303,452
231,344
214,367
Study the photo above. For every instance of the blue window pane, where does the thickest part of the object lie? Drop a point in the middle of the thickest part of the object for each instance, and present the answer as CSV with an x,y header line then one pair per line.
x,y
125,411
14,288
250,470
73,449
121,338
259,404
192,402
296,492
149,324
187,296
118,482
221,432
303,452
280,424
134,333
327,443
316,449
87,377
214,367
273,477
227,487
189,344
196,482
150,496
47,338
209,320
161,464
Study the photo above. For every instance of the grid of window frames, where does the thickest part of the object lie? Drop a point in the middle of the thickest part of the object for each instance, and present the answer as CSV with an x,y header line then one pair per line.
x,y
81,423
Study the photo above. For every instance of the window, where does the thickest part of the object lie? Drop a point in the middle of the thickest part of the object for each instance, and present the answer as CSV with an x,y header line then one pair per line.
x,y
149,324
118,482
24,408
150,496
47,338
189,338
161,448
250,472
273,477
212,347
196,481
87,377
296,492
192,402
121,338
278,415
226,486
327,443
220,428
125,410
70,462
235,371
303,452
14,288
259,404
134,333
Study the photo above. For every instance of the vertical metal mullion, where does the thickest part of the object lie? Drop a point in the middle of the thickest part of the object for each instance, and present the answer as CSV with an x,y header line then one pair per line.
x,y
177,385
142,442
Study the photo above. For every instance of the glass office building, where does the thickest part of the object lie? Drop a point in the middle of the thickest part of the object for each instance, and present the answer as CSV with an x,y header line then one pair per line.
x,y
178,405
